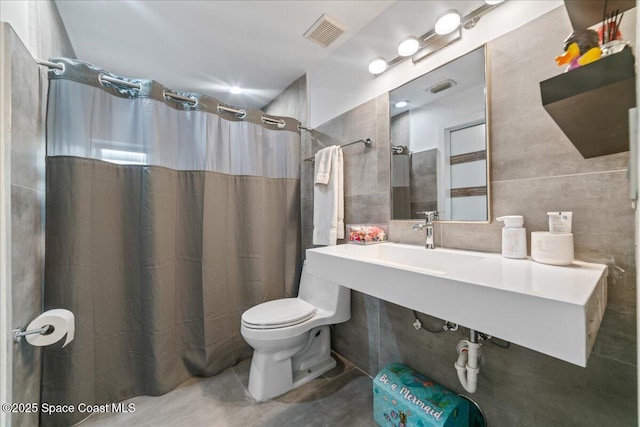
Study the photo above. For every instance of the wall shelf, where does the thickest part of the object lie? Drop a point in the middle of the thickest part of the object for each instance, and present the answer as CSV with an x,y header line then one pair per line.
x,y
590,104
585,13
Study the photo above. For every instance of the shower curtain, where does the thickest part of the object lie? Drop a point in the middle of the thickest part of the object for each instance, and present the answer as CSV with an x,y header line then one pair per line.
x,y
166,219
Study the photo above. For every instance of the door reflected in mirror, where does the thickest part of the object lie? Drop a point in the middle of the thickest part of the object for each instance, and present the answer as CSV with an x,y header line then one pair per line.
x,y
439,143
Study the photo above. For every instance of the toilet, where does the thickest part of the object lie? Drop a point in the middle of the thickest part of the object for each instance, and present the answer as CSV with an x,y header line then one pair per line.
x,y
291,337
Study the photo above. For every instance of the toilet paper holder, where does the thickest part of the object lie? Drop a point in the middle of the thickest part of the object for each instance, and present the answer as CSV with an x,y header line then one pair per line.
x,y
18,333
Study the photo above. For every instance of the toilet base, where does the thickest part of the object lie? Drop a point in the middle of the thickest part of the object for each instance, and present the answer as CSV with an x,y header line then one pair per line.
x,y
272,374
303,377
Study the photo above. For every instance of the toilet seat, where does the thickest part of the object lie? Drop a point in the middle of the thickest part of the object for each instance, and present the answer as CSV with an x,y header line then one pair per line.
x,y
278,313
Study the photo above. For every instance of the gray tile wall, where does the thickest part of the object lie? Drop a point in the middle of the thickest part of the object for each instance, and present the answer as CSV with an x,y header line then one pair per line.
x,y
293,102
367,198
366,170
27,219
535,169
424,181
401,129
26,136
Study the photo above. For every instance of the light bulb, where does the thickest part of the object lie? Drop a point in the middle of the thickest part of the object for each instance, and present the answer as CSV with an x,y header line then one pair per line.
x,y
447,22
377,66
235,90
408,46
401,104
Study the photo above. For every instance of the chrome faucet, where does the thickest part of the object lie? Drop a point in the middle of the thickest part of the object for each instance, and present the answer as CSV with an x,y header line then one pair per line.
x,y
430,217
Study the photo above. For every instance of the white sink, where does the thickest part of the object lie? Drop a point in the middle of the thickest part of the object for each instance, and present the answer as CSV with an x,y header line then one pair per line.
x,y
439,262
551,309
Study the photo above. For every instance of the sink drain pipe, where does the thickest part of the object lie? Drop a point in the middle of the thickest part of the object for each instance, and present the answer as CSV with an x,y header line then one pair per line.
x,y
467,363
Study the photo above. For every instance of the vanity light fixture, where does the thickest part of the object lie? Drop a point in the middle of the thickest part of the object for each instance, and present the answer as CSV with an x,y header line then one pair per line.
x,y
377,66
236,90
408,46
448,29
401,104
447,22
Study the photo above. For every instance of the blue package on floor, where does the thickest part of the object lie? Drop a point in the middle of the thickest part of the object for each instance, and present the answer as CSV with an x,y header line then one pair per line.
x,y
403,397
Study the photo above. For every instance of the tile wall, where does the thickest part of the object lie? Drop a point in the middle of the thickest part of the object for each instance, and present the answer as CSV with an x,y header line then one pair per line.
x,y
26,135
424,182
292,102
366,170
534,169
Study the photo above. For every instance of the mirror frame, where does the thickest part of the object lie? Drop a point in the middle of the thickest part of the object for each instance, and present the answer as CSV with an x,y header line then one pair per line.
x,y
487,115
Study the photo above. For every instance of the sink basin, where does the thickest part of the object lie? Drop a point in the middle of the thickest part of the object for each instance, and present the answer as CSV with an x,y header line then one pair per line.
x,y
439,262
556,310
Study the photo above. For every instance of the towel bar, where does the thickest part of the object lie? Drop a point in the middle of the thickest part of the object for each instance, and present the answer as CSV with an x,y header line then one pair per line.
x,y
367,142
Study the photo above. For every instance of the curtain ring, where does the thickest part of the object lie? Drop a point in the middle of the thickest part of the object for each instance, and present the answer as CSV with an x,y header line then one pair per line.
x,y
165,96
57,71
240,114
279,123
102,83
102,78
171,96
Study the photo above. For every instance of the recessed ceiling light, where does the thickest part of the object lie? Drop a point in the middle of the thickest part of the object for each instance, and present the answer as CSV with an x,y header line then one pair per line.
x,y
447,22
401,104
235,90
408,47
377,66
492,2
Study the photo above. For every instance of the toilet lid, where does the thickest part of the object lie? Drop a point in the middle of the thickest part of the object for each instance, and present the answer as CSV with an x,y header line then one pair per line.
x,y
278,313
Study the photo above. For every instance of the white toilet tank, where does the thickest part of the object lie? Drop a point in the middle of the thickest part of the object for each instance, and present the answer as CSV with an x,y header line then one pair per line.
x,y
325,295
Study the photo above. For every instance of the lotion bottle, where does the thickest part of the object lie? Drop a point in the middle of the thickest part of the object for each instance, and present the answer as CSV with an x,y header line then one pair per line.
x,y
514,237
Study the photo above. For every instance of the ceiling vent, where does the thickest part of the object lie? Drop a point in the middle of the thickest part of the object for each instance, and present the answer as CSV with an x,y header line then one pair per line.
x,y
325,31
443,85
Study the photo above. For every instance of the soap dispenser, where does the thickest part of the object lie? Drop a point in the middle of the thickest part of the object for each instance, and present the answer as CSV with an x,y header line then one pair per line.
x,y
514,237
555,246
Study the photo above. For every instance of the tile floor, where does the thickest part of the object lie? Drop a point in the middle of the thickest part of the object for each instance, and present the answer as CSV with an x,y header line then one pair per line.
x,y
341,397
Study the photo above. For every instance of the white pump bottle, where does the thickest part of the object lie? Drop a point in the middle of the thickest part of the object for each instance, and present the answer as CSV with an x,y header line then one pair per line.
x,y
514,237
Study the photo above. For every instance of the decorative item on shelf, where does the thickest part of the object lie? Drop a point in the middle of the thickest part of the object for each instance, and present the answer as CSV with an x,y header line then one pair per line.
x,y
580,48
611,40
365,234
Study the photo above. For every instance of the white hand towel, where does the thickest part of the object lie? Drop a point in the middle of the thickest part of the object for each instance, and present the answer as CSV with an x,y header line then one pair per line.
x,y
328,205
322,171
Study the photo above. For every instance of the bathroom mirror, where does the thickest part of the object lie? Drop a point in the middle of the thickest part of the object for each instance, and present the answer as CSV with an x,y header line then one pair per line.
x,y
440,144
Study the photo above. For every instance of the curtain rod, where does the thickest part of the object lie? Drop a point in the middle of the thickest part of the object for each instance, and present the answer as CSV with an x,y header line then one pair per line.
x,y
50,64
102,77
268,120
59,68
239,113
366,141
169,94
